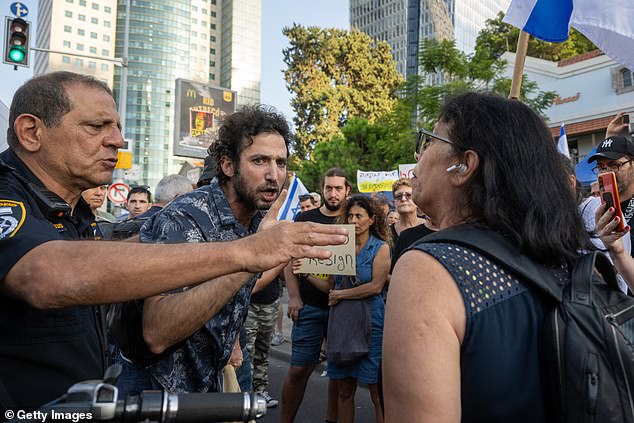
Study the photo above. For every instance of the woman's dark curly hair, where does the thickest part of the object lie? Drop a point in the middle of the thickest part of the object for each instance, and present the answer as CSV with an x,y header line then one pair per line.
x,y
238,130
374,209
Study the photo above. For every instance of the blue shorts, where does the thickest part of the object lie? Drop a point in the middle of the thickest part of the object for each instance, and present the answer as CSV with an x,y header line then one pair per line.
x,y
309,330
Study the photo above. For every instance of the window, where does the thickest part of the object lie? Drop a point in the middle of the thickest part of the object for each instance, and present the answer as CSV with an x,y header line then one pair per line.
x,y
65,59
66,44
79,62
69,1
81,32
106,24
212,38
204,11
194,21
68,14
93,50
106,37
80,47
107,9
213,14
105,52
92,65
67,28
94,21
212,50
104,66
213,26
213,2
81,17
194,34
194,8
93,35
95,6
82,2
212,63
626,75
212,76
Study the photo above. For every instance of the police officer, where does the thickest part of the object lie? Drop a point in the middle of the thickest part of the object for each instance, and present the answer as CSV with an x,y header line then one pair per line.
x,y
63,138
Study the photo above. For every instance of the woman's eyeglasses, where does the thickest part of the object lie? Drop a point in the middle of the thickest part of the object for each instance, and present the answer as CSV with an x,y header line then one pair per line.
x,y
403,196
425,138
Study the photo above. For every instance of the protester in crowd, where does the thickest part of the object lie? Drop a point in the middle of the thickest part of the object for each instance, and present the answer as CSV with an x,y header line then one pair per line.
x,y
392,217
407,218
208,172
202,322
317,198
307,202
308,308
372,264
63,138
139,201
95,198
449,326
616,154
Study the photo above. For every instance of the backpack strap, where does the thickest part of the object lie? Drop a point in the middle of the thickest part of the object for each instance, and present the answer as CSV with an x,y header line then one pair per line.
x,y
581,285
503,252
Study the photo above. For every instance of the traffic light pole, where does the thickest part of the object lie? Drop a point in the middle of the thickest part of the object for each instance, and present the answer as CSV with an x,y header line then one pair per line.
x,y
114,60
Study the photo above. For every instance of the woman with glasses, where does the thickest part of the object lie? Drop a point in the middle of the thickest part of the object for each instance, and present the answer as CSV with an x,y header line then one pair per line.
x,y
462,335
407,216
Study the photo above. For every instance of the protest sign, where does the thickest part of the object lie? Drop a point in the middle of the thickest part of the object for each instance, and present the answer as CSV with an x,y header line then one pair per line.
x,y
342,262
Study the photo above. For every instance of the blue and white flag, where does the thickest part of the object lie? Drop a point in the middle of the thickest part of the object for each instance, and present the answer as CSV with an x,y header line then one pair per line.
x,y
562,143
290,208
609,24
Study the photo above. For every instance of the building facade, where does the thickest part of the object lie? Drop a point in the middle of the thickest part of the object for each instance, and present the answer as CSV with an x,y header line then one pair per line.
x,y
591,88
76,28
404,24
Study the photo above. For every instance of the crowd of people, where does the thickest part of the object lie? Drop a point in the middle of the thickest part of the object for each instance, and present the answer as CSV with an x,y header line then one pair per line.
x,y
437,332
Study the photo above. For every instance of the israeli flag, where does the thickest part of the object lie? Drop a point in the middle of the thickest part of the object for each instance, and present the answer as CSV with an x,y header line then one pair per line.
x,y
290,208
609,24
562,143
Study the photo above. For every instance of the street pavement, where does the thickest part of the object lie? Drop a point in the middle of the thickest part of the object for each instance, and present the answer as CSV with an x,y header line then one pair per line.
x,y
313,408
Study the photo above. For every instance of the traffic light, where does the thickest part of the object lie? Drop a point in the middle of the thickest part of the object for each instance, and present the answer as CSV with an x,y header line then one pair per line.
x,y
16,42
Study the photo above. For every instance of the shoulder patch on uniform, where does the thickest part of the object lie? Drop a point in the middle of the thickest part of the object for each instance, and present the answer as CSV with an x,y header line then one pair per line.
x,y
12,215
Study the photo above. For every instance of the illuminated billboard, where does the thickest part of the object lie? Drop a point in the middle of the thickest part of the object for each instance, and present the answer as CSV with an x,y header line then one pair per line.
x,y
199,113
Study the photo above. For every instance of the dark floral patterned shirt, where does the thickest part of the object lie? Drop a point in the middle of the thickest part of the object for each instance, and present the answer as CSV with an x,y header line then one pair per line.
x,y
203,215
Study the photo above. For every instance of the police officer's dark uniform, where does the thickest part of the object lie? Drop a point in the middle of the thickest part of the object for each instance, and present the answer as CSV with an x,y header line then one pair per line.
x,y
42,352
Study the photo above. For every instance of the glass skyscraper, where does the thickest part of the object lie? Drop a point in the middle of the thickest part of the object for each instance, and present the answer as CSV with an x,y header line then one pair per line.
x,y
403,24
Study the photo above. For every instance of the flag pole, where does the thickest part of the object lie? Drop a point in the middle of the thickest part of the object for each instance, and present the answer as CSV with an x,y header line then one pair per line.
x,y
518,69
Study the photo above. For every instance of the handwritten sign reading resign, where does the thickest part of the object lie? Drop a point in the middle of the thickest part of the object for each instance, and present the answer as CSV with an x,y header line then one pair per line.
x,y
341,262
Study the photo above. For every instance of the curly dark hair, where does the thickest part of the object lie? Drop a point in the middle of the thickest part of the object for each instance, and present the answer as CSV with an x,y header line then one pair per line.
x,y
237,131
374,209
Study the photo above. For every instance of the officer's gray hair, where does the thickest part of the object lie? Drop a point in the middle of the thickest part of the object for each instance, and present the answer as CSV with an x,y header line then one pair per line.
x,y
171,187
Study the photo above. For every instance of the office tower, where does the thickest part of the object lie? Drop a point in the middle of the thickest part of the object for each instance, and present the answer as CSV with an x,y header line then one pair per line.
x,y
76,28
404,24
216,42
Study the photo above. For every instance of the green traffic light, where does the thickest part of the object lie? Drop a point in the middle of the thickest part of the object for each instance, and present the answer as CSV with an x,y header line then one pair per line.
x,y
17,54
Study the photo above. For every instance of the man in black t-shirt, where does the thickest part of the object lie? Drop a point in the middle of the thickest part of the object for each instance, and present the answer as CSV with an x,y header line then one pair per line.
x,y
308,307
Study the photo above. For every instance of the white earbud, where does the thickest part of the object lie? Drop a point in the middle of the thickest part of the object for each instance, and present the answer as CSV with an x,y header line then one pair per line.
x,y
459,167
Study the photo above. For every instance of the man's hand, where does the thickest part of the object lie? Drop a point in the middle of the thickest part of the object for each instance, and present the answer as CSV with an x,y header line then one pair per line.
x,y
286,241
270,219
235,359
616,125
295,304
606,228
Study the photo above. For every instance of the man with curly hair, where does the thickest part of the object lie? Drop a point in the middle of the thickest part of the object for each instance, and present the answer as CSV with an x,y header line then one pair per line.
x,y
196,329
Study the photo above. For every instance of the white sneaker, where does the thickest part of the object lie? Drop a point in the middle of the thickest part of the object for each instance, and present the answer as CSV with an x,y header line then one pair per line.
x,y
278,339
270,401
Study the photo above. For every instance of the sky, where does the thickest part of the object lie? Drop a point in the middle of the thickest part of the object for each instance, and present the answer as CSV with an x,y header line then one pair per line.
x,y
276,14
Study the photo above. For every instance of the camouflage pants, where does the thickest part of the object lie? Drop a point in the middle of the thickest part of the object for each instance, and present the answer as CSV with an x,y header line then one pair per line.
x,y
259,326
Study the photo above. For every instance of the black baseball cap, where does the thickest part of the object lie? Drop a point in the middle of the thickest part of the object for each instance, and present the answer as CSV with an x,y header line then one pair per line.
x,y
613,148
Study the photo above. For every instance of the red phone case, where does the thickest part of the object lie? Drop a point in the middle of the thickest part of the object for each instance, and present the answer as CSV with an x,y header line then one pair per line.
x,y
610,195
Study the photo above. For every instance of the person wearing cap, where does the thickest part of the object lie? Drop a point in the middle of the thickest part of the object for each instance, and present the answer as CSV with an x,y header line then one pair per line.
x,y
616,154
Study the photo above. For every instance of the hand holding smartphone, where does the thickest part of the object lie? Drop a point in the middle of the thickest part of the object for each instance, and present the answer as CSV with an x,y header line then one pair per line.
x,y
610,195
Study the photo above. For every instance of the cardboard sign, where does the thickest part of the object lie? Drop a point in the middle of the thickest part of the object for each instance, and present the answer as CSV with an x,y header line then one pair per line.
x,y
343,260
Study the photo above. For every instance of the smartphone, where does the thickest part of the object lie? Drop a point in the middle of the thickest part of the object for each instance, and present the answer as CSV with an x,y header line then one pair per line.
x,y
610,195
625,118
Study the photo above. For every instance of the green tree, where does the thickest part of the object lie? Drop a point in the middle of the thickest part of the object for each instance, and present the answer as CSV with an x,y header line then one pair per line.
x,y
498,37
333,75
454,72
